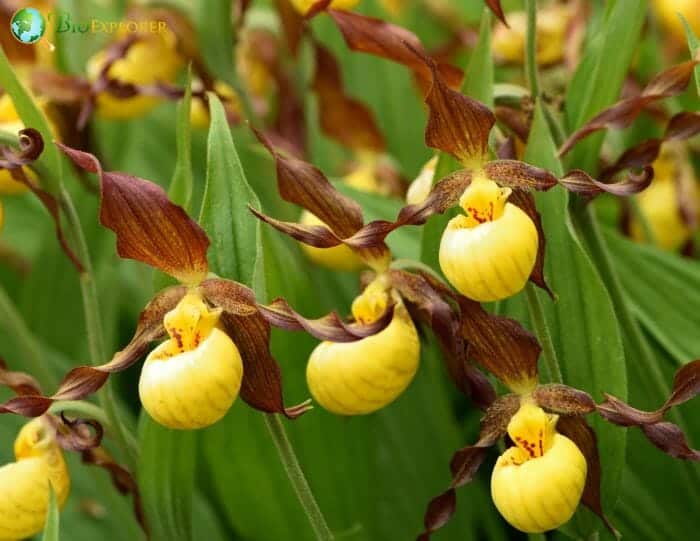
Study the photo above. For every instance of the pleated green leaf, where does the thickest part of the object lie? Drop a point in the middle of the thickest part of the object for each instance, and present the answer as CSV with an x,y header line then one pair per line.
x,y
51,530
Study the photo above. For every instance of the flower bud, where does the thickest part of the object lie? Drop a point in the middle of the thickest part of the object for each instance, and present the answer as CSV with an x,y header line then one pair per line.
x,y
191,380
153,58
24,502
339,257
667,12
660,203
488,253
303,6
364,376
199,110
537,484
552,23
11,122
420,188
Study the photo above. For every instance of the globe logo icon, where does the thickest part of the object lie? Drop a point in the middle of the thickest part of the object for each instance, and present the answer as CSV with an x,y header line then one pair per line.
x,y
27,25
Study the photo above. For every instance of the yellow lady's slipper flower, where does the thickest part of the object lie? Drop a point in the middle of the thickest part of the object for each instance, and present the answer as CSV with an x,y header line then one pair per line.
x,y
24,501
191,380
420,188
303,6
667,11
364,376
199,111
660,202
364,176
537,484
153,58
339,257
488,253
552,22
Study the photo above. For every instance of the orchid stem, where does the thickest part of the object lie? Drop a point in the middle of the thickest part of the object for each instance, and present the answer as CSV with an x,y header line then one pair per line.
x,y
531,48
297,478
545,337
93,325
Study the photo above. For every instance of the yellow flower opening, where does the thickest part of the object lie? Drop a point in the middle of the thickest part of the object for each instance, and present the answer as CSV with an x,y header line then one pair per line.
x,y
303,6
340,257
488,252
552,23
24,502
364,376
191,380
153,58
537,484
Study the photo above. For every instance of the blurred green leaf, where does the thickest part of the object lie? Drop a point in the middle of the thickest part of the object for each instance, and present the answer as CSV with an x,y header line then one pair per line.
x,y
233,230
600,74
182,183
32,116
694,46
166,475
582,319
51,530
215,33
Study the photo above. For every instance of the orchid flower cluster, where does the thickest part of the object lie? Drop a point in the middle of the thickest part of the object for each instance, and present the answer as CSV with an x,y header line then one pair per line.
x,y
214,334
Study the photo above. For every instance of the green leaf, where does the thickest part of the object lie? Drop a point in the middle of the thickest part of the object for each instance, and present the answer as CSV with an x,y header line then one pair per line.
x,y
51,530
182,183
166,475
598,80
582,319
233,230
664,292
32,117
694,46
215,33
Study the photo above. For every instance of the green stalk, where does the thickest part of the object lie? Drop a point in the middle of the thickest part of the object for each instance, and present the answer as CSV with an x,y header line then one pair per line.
x,y
549,354
531,48
296,476
95,334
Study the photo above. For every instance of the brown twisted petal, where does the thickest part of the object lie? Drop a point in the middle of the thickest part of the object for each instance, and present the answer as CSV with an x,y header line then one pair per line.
x,y
261,387
577,430
668,83
386,40
293,24
78,434
497,9
121,479
517,174
343,118
330,327
681,126
501,345
465,462
666,436
526,202
19,382
580,182
444,195
31,145
149,227
313,235
563,400
83,381
457,124
437,313
303,184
